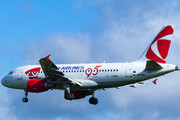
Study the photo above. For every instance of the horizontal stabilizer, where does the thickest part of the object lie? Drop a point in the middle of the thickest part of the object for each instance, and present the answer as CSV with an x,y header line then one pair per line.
x,y
152,65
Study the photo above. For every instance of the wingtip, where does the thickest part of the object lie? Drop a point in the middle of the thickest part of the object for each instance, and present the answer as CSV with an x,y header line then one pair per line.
x,y
47,57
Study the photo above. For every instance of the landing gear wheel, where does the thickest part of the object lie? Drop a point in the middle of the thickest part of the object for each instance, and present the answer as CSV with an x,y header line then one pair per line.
x,y
25,99
68,96
93,100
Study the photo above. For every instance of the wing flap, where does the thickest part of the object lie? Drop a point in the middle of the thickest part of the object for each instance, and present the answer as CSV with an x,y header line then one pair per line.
x,y
87,83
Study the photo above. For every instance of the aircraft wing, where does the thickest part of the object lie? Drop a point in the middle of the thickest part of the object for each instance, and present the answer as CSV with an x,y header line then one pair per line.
x,y
52,72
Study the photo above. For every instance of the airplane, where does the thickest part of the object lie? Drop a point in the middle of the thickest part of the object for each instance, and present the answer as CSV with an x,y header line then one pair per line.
x,y
81,80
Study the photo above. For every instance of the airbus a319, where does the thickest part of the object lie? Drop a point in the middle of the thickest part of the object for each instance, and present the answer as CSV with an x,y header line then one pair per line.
x,y
80,80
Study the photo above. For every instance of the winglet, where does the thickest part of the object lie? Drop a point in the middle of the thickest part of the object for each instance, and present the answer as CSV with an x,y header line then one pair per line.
x,y
47,57
154,81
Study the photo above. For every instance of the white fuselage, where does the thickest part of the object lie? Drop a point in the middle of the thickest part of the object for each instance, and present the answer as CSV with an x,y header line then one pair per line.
x,y
106,75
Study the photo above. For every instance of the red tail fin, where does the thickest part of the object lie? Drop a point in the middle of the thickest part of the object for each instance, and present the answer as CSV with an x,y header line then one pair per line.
x,y
159,48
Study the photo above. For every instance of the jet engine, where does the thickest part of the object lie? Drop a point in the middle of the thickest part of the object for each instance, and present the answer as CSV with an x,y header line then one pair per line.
x,y
39,85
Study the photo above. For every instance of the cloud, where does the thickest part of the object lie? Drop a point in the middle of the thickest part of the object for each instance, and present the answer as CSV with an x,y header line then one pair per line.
x,y
4,109
70,48
126,28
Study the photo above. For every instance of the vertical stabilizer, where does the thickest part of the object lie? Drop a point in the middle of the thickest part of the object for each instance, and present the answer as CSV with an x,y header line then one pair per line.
x,y
159,48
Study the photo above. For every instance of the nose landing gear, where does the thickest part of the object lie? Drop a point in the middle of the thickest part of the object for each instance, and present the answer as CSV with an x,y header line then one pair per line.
x,y
25,99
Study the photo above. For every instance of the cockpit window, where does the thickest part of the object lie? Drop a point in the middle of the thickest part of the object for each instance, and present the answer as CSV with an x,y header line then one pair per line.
x,y
10,73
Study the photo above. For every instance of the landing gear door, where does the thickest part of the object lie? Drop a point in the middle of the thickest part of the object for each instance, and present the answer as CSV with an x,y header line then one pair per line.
x,y
129,72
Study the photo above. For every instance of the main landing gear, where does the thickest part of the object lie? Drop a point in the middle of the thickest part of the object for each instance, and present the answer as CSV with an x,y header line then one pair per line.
x,y
68,96
25,99
71,96
93,100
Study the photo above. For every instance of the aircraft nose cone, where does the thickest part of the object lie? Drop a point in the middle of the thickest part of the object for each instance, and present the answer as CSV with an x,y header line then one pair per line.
x,y
3,81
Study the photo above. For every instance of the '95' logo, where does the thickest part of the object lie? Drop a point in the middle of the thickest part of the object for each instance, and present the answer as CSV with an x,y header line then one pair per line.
x,y
89,71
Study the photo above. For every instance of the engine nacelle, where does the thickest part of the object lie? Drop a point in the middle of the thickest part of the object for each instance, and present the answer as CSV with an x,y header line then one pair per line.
x,y
80,94
39,85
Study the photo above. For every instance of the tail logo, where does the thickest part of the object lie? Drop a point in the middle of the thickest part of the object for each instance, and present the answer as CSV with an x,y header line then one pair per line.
x,y
159,48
